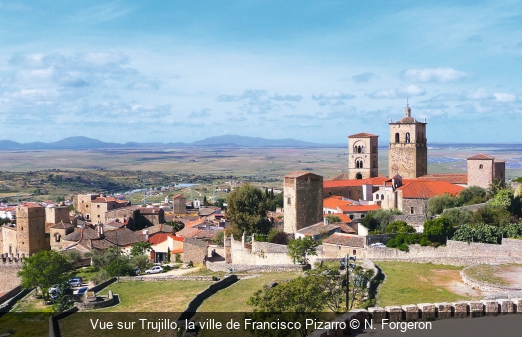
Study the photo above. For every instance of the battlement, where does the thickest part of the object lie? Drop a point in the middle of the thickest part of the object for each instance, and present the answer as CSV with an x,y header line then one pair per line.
x,y
12,259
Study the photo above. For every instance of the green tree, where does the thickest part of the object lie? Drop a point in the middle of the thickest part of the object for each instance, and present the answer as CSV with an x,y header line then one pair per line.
x,y
496,186
277,236
120,267
292,301
439,203
44,269
205,201
140,248
492,215
299,248
359,286
64,299
399,227
333,219
100,259
247,211
334,286
176,224
458,216
220,238
472,195
378,220
438,230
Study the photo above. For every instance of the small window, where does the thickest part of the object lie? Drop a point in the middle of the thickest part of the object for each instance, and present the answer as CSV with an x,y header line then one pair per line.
x,y
481,167
412,210
98,206
407,137
329,193
377,196
351,216
397,137
382,196
354,252
288,201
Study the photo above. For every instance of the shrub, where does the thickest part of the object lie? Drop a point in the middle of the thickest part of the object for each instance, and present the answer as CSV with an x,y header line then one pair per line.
x,y
403,247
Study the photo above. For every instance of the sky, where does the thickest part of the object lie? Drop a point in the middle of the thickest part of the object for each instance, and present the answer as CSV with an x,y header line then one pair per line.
x,y
318,71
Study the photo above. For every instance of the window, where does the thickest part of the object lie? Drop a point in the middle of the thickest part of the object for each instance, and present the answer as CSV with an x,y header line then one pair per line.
x,y
382,196
481,167
98,206
397,137
377,196
412,210
407,137
354,252
358,163
288,201
358,176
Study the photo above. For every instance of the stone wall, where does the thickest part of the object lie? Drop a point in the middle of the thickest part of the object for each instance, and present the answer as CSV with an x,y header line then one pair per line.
x,y
57,214
470,207
260,253
160,278
194,250
481,285
423,312
8,270
102,302
455,253
219,266
415,220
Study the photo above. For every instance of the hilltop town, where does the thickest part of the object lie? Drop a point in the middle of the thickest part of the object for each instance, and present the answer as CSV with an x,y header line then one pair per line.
x,y
343,215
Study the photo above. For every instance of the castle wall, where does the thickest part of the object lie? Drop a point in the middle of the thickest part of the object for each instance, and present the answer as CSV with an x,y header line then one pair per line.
x,y
9,239
259,254
8,270
303,201
455,253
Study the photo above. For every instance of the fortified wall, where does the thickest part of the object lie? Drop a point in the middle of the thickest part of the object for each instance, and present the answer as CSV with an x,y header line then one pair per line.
x,y
455,253
258,253
9,266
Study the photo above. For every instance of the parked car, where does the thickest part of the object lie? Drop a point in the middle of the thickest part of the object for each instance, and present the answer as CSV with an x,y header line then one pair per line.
x,y
54,289
82,290
378,244
137,271
154,270
76,281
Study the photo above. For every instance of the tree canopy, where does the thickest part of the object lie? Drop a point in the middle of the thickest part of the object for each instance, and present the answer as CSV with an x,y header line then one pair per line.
x,y
299,248
247,211
45,269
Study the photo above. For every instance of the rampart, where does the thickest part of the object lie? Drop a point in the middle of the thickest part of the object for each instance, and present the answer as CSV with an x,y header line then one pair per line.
x,y
217,266
483,286
423,312
455,253
9,266
258,253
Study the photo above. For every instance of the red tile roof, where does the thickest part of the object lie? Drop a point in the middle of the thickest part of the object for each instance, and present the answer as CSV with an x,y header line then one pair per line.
x,y
162,237
359,208
450,178
335,201
422,189
178,196
343,217
362,135
481,156
354,182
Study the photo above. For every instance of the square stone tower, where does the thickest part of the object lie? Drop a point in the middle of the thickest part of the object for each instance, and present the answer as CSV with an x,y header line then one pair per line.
x,y
30,226
408,153
363,161
57,214
303,200
483,169
179,204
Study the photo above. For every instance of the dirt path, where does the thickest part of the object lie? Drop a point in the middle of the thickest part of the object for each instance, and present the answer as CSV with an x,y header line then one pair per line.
x,y
452,281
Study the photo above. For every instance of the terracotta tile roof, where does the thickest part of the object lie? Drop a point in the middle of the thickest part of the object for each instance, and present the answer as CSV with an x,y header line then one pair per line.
x,y
178,196
345,240
88,233
359,208
422,189
176,251
343,217
198,233
362,135
335,201
354,182
161,237
61,225
195,242
149,210
347,229
481,156
161,228
124,237
450,178
195,223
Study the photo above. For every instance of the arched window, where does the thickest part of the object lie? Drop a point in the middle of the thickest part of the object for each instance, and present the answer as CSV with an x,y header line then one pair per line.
x,y
382,196
358,163
407,137
377,196
358,176
397,137
481,167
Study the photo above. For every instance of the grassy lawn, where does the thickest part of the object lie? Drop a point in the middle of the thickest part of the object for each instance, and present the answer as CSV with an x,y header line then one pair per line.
x,y
492,273
412,283
30,317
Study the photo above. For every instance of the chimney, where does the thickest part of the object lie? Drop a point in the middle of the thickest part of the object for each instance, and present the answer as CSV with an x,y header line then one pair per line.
x,y
101,235
326,221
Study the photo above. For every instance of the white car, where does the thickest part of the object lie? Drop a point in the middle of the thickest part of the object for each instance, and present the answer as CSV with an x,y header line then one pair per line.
x,y
154,270
378,244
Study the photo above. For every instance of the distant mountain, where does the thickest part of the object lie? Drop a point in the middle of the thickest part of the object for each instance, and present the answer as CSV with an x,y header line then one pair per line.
x,y
86,143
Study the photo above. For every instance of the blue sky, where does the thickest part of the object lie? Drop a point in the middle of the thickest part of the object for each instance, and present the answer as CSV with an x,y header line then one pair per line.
x,y
311,70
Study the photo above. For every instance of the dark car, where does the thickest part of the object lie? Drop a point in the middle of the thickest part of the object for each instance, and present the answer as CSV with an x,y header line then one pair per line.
x,y
75,281
82,290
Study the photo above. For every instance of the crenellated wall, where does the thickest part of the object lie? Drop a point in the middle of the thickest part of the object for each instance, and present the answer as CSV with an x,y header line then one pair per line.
x,y
9,266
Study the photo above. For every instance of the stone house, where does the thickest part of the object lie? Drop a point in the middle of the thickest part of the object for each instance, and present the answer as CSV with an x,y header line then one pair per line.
x,y
483,169
339,244
303,204
194,251
29,235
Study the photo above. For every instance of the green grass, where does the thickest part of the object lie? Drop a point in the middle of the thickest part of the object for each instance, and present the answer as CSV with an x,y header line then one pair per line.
x,y
412,283
490,274
30,317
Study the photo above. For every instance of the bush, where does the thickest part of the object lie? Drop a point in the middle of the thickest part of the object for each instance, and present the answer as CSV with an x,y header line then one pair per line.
x,y
178,258
424,241
190,264
403,247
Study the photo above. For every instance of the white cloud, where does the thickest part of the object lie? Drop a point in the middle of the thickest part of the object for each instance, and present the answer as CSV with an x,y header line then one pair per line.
x,y
435,75
332,95
504,97
399,92
477,94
